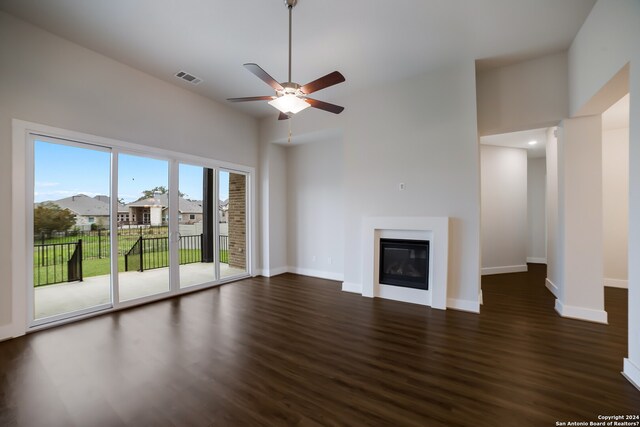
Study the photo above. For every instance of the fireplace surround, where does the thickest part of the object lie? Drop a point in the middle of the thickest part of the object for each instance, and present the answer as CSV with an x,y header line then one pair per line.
x,y
432,229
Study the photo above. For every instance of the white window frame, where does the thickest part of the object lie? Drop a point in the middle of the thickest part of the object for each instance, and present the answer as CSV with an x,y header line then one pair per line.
x,y
22,216
30,300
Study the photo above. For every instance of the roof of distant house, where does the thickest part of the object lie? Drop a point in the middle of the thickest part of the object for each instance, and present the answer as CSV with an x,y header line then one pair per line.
x,y
83,205
106,199
162,200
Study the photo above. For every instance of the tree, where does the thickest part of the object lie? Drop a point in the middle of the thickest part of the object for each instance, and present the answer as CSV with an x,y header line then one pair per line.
x,y
49,217
161,189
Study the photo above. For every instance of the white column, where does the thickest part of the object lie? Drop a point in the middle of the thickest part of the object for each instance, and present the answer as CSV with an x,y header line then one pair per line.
x,y
156,215
554,252
581,293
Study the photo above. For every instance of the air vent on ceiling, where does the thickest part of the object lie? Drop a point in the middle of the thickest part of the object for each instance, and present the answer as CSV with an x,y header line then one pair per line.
x,y
188,77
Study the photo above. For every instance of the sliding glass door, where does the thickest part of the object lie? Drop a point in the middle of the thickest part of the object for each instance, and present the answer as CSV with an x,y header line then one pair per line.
x,y
71,237
143,227
232,190
113,227
196,214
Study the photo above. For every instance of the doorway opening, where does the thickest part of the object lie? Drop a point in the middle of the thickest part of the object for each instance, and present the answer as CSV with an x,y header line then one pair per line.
x,y
513,200
615,206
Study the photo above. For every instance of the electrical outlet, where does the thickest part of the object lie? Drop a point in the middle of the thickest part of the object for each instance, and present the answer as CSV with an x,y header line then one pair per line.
x,y
401,186
313,258
329,260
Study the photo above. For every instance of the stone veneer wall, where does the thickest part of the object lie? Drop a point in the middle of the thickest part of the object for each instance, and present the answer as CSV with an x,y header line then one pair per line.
x,y
237,221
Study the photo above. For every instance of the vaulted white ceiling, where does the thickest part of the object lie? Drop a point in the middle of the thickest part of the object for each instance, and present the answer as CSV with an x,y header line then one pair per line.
x,y
370,42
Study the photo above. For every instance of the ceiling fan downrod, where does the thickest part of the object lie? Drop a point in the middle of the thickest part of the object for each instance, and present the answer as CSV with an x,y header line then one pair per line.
x,y
290,5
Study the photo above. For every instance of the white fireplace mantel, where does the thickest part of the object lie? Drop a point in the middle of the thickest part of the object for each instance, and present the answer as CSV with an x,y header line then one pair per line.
x,y
434,229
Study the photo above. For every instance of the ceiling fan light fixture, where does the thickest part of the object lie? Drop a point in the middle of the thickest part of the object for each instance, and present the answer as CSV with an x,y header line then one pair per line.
x,y
289,104
291,98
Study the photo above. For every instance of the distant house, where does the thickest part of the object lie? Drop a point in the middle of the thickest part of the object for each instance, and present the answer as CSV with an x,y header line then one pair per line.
x,y
88,210
155,211
149,211
123,214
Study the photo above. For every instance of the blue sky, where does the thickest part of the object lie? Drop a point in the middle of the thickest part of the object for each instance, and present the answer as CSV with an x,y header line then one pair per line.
x,y
62,171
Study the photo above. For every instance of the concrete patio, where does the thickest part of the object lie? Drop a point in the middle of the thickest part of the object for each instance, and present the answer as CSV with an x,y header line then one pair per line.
x,y
62,298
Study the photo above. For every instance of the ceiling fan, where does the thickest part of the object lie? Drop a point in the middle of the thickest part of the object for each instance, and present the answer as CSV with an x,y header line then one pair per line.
x,y
290,97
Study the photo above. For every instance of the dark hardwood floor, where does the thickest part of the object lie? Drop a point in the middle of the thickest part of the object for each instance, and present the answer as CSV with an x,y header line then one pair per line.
x,y
294,350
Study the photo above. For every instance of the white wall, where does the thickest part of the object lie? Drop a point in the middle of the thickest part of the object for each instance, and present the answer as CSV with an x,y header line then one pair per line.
x,y
605,43
503,173
555,262
536,210
615,205
315,187
422,132
273,209
278,208
48,80
526,95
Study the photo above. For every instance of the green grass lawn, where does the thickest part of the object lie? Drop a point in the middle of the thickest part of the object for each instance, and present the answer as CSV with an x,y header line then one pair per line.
x,y
97,244
100,267
56,270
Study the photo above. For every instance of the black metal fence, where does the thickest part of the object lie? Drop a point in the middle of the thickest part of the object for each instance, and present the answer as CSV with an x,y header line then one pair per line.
x,y
190,248
62,261
147,254
224,249
150,253
97,243
133,258
57,263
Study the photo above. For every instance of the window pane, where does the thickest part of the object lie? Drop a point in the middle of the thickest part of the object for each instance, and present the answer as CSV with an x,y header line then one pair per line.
x,y
143,232
71,248
196,225
232,212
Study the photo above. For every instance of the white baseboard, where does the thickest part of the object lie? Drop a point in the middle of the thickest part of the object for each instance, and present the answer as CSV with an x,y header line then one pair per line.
x,y
463,305
480,299
317,273
352,287
552,287
270,272
7,332
581,313
616,283
505,269
534,260
631,372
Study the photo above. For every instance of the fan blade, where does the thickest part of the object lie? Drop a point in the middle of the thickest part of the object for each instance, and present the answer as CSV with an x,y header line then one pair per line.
x,y
251,98
283,116
332,108
264,76
323,82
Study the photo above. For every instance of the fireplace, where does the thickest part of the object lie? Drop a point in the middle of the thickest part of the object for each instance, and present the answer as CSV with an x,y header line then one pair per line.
x,y
404,263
